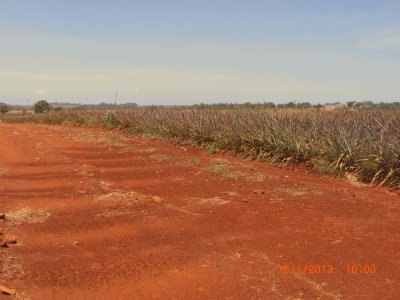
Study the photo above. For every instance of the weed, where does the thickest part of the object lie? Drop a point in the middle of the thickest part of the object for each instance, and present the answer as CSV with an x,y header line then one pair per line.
x,y
161,157
219,169
194,161
110,121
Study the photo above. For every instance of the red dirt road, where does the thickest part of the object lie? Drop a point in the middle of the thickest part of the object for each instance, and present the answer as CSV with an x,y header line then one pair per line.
x,y
101,215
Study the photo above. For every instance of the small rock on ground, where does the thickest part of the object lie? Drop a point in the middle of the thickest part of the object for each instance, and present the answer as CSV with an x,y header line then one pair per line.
x,y
6,291
258,192
10,239
157,199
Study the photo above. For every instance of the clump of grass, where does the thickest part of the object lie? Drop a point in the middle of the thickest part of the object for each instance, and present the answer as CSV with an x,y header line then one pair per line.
x,y
211,149
219,169
26,216
292,191
110,121
194,161
162,157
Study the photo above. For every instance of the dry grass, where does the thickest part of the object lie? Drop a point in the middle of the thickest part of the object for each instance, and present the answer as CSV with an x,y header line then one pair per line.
x,y
162,157
299,191
119,203
27,216
11,266
211,201
146,151
97,138
122,198
292,191
353,180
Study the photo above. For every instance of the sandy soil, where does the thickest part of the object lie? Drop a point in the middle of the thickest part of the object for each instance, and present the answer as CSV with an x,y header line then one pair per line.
x,y
102,215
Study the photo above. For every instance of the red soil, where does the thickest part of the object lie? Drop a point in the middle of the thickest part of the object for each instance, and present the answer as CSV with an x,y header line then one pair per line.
x,y
102,215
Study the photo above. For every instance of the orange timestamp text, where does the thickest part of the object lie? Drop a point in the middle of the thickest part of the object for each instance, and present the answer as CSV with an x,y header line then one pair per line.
x,y
326,268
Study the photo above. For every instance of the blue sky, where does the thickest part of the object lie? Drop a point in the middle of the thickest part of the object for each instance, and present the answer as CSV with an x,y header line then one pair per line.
x,y
181,52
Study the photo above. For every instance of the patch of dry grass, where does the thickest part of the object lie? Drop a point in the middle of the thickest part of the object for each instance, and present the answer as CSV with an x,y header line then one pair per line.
x,y
99,138
122,198
27,216
11,267
162,157
298,191
292,191
212,201
353,180
120,203
146,150
221,169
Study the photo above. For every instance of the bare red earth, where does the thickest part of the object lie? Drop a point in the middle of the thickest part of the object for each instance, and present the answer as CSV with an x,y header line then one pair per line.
x,y
115,216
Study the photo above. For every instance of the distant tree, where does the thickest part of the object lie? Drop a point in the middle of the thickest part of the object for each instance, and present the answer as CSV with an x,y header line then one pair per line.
x,y
41,107
304,105
368,103
4,108
128,105
290,105
351,103
269,104
58,109
319,106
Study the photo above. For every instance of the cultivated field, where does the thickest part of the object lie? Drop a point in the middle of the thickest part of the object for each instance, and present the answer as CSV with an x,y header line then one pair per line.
x,y
363,144
100,214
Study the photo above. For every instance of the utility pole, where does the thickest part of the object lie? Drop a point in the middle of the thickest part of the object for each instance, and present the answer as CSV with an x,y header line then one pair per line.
x,y
27,106
115,102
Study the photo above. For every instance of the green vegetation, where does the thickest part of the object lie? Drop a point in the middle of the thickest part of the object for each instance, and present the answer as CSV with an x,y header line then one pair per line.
x,y
4,108
41,107
194,161
362,141
109,121
220,169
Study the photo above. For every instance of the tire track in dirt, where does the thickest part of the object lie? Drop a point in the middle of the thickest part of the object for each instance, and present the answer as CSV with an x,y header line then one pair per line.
x,y
132,218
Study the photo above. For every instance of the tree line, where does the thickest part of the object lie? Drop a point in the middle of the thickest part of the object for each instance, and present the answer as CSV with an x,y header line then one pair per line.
x,y
42,106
